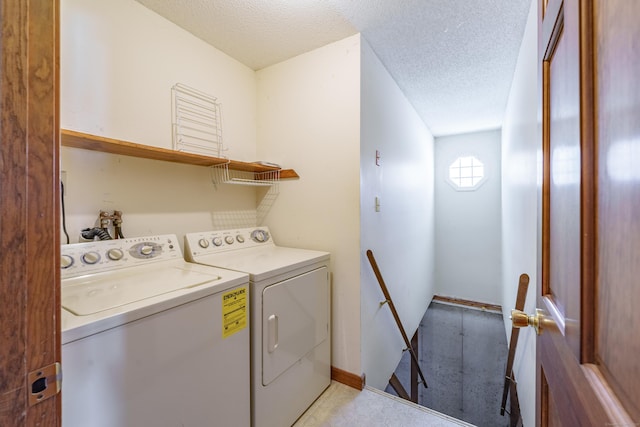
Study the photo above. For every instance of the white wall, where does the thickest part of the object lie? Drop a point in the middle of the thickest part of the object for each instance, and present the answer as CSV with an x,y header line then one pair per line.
x,y
468,224
520,149
308,112
325,113
401,234
119,61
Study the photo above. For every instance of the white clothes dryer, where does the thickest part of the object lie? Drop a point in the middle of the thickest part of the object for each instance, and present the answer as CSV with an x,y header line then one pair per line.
x,y
151,340
290,312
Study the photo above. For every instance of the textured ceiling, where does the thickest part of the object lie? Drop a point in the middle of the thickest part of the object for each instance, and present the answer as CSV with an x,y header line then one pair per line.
x,y
453,59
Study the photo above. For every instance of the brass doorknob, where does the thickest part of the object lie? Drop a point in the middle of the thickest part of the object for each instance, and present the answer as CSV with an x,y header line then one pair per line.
x,y
520,319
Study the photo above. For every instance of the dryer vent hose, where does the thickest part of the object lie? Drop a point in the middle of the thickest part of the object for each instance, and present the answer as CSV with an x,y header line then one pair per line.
x,y
91,233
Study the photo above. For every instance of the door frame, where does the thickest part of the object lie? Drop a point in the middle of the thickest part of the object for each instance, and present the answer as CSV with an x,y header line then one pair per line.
x,y
29,223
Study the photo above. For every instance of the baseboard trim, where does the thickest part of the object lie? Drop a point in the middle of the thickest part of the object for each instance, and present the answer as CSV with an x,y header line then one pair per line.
x,y
347,378
468,303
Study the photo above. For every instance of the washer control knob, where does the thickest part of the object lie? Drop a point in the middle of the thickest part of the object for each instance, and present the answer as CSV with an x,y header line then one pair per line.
x,y
240,238
91,257
115,254
229,240
146,250
204,243
217,241
260,236
66,261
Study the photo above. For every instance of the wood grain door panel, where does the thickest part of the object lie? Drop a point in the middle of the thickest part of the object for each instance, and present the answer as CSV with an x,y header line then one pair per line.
x,y
562,289
565,395
618,71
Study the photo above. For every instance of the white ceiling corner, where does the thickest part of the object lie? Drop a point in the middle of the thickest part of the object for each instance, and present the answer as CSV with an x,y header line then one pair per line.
x,y
453,59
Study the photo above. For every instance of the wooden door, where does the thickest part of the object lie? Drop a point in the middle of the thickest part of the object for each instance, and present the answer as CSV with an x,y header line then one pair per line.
x,y
587,365
29,231
617,341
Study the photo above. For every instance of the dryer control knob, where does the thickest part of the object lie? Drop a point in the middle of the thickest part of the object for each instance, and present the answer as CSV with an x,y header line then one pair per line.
x,y
240,238
91,257
229,240
146,250
204,243
217,241
260,236
66,261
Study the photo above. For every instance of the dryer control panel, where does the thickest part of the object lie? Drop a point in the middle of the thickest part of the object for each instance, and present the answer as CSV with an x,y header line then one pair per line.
x,y
213,242
94,257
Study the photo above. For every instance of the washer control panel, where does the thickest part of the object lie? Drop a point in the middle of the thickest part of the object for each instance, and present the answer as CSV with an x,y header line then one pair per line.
x,y
211,242
94,257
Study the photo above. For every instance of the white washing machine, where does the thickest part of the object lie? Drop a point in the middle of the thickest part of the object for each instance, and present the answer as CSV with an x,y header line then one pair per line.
x,y
290,312
151,340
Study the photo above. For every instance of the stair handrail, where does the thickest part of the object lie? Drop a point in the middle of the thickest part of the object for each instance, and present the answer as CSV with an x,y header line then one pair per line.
x,y
389,301
521,296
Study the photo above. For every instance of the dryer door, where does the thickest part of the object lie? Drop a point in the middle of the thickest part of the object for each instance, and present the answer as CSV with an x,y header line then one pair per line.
x,y
295,319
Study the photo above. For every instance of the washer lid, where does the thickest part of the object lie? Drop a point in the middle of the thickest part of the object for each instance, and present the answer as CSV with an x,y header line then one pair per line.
x,y
92,294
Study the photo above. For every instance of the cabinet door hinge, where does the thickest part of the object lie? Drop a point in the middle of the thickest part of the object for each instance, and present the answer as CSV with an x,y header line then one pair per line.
x,y
44,383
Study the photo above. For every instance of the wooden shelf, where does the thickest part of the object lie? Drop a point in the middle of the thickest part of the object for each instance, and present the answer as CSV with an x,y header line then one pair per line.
x,y
87,141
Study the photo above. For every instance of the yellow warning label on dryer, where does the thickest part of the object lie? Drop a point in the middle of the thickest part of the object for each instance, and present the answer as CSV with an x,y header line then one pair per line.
x,y
234,311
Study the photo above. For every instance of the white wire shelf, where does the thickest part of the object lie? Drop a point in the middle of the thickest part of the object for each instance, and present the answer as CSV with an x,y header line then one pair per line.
x,y
222,174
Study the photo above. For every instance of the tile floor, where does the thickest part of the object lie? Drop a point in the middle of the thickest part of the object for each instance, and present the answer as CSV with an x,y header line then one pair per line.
x,y
343,406
463,353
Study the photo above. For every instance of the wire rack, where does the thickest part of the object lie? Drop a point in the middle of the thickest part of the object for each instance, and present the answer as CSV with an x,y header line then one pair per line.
x,y
221,174
269,181
197,121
